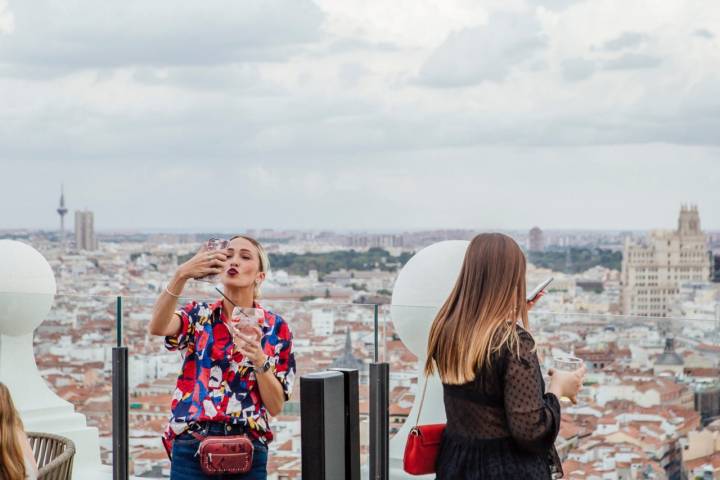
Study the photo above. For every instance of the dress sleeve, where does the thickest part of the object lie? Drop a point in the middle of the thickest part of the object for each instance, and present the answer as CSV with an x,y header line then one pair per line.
x,y
532,415
284,359
187,315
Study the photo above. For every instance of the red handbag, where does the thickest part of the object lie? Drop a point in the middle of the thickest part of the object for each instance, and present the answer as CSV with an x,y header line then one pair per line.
x,y
423,445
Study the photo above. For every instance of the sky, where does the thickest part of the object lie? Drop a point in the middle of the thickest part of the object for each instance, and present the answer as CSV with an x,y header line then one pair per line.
x,y
361,114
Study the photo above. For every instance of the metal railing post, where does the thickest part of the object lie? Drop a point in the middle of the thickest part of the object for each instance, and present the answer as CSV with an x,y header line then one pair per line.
x,y
120,427
379,421
352,422
377,332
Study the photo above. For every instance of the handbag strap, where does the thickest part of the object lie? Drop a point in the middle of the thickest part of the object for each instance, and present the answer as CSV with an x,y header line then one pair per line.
x,y
422,401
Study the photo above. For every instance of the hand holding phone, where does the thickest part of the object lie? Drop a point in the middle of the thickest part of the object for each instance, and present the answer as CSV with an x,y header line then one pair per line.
x,y
536,291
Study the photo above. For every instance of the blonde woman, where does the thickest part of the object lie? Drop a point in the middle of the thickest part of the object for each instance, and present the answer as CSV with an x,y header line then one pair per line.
x,y
501,423
230,382
17,461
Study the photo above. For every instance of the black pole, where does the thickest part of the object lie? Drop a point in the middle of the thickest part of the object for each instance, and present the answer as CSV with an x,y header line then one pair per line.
x,y
352,422
118,322
322,426
379,421
377,331
120,431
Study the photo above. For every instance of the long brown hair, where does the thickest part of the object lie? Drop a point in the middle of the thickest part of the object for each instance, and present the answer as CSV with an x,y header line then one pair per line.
x,y
12,460
479,317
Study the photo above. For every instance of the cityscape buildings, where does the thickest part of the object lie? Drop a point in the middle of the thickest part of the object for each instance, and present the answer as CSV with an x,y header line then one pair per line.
x,y
536,240
85,230
649,408
654,269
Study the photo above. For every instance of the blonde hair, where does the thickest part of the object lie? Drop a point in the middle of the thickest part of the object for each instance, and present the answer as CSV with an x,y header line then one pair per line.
x,y
12,460
262,256
478,318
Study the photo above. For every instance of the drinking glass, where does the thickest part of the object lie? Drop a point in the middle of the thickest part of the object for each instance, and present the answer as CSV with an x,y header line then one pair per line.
x,y
246,318
566,363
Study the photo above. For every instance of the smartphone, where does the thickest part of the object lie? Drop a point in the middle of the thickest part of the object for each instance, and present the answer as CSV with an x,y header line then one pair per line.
x,y
214,244
531,296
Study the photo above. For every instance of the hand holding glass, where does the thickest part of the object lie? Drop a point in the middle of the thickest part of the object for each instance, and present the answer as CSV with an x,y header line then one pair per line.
x,y
566,364
246,319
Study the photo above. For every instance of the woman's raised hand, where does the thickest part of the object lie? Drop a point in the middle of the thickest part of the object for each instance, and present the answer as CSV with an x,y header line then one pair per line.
x,y
537,298
205,262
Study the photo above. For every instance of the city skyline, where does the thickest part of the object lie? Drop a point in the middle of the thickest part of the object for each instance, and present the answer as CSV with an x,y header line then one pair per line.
x,y
662,209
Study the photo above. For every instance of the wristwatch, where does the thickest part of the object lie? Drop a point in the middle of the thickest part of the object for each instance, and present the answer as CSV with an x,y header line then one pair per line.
x,y
265,366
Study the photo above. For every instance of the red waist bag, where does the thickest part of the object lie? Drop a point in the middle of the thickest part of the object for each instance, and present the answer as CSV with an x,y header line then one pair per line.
x,y
226,454
423,445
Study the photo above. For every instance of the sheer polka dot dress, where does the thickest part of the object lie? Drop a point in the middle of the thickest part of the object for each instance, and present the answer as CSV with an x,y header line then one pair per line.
x,y
502,425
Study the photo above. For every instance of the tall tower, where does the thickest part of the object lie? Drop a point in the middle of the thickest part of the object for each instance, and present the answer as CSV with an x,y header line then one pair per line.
x,y
689,221
85,230
62,211
536,240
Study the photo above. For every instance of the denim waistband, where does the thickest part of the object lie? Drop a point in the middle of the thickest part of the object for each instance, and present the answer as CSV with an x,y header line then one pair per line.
x,y
218,428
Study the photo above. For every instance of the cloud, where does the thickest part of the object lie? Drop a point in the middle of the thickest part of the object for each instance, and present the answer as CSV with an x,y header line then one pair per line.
x,y
704,33
556,5
402,23
352,73
484,53
346,45
626,40
7,19
338,99
577,69
74,34
231,78
632,61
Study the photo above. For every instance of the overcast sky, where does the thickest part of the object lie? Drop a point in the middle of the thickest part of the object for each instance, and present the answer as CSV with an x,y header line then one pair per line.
x,y
367,114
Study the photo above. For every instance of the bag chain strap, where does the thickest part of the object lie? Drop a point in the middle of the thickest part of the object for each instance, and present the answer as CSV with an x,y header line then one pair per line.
x,y
422,401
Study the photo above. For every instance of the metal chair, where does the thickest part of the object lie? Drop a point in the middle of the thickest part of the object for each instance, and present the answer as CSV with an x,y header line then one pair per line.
x,y
53,454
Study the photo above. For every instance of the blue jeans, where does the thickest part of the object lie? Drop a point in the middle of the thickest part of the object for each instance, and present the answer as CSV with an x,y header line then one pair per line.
x,y
185,465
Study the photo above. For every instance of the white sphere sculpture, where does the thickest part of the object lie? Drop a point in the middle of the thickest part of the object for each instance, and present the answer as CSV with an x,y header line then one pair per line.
x,y
422,287
420,290
27,288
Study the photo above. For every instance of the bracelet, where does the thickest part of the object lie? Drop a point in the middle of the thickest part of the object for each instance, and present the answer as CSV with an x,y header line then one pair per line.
x,y
170,293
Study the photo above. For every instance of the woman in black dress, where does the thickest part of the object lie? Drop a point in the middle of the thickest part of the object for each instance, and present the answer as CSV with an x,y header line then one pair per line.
x,y
501,424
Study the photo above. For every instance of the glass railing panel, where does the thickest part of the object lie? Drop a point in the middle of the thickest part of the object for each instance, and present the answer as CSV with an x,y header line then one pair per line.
x,y
73,352
152,375
405,341
325,335
655,376
650,382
